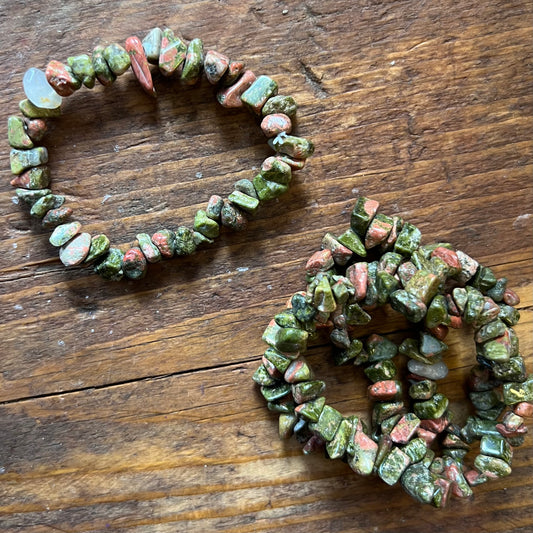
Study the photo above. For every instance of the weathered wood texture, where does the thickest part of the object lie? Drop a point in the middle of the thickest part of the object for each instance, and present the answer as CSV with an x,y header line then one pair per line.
x,y
129,406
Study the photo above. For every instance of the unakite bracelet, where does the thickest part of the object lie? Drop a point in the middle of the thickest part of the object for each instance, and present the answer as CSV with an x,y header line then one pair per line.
x,y
236,87
412,437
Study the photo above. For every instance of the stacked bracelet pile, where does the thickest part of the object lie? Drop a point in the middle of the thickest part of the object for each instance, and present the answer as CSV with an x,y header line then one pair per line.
x,y
186,62
412,437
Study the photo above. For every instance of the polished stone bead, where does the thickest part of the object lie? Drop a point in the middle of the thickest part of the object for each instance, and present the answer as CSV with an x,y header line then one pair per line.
x,y
298,371
342,290
469,267
16,134
518,392
61,78
416,449
419,483
474,305
388,425
117,58
378,230
273,125
33,178
232,217
435,407
510,297
408,305
320,261
358,276
495,446
371,298
410,348
406,271
364,451
35,128
286,423
393,466
292,146
327,424
293,162
258,93
57,216
262,377
83,69
302,309
404,430
75,251
275,392
453,473
43,205
64,233
291,340
311,410
268,190
381,371
194,60
287,319
383,410
21,160
449,257
152,45
244,201
475,428
497,291
336,448
362,214
423,390
430,346
233,73
109,266
38,91
231,96
389,263
323,298
134,263
148,248
355,315
172,53
437,312
99,246
524,409
31,196
139,64
165,240
280,104
484,279
353,350
512,370
509,315
423,285
386,284
215,66
278,361
385,390
205,225
186,241
497,350
104,74
379,348
32,111
492,467
408,239
490,331
307,390
351,240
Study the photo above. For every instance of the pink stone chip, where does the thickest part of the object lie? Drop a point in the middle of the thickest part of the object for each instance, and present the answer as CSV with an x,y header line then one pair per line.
x,y
510,297
215,66
404,429
139,64
231,96
448,256
75,251
358,276
320,261
377,232
384,390
60,78
524,409
275,124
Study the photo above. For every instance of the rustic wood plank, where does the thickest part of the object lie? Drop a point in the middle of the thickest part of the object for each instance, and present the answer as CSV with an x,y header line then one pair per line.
x,y
129,407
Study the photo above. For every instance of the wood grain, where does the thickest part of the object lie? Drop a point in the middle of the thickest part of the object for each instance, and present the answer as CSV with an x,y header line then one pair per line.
x,y
129,407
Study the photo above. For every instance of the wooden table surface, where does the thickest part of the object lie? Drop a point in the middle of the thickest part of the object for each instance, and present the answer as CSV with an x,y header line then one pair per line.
x,y
129,406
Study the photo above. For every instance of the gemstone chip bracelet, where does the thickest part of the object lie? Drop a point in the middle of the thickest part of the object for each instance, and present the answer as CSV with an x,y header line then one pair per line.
x,y
412,437
236,87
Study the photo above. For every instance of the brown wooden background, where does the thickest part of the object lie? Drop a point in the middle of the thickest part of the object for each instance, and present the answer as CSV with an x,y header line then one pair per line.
x,y
129,406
